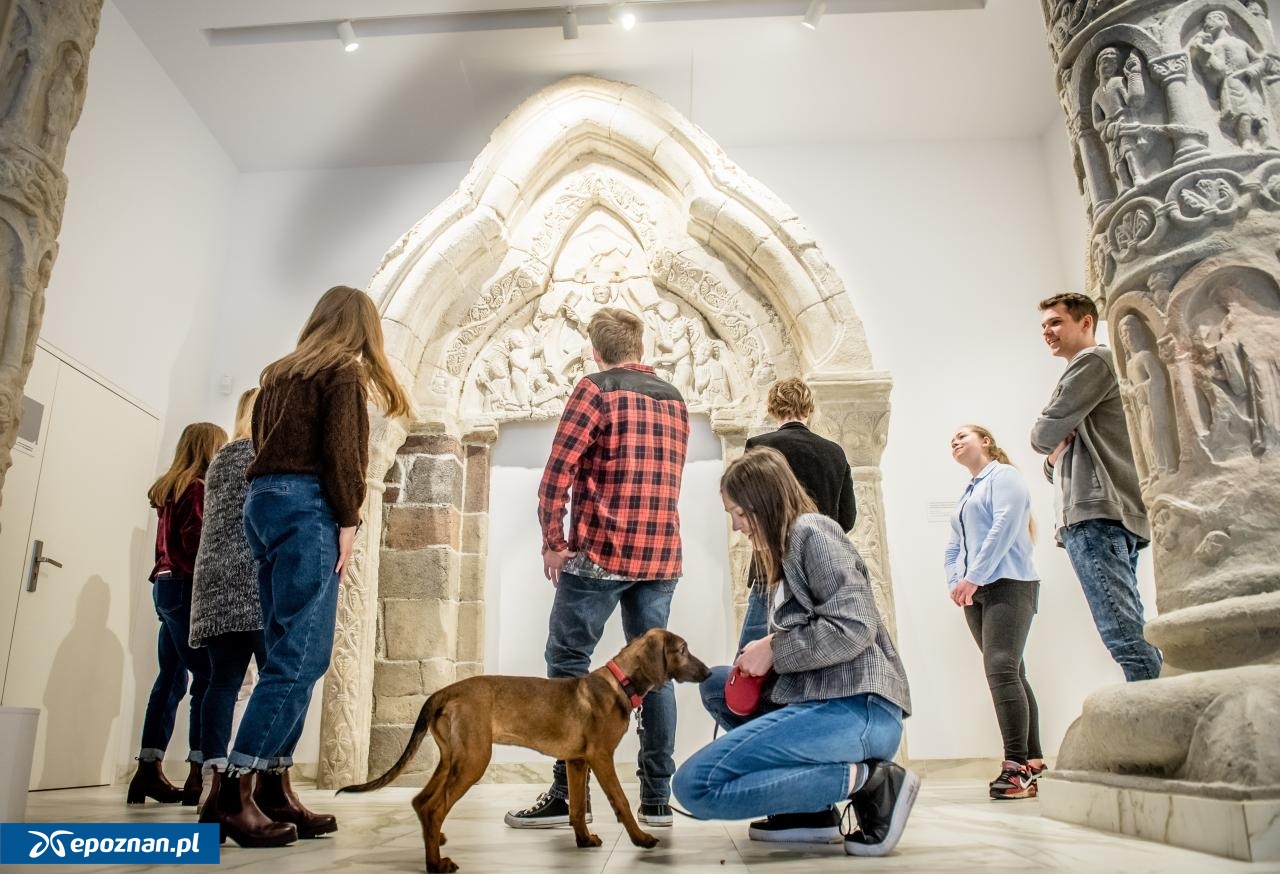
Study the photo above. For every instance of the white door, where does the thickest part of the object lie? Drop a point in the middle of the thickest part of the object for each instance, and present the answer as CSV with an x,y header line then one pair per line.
x,y
70,635
19,497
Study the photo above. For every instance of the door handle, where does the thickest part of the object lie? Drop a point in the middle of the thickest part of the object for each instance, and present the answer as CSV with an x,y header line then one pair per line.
x,y
38,558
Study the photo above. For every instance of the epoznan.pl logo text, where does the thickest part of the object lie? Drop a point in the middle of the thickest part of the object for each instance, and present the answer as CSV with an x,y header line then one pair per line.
x,y
108,843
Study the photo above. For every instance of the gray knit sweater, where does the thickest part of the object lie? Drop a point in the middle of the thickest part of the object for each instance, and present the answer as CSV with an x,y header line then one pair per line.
x,y
1099,478
224,593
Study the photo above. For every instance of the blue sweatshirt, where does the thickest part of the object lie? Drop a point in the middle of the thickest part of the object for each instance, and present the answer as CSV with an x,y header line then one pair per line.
x,y
989,536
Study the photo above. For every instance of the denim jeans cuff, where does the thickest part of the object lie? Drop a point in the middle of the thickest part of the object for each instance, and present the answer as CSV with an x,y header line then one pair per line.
x,y
195,757
150,755
239,762
218,764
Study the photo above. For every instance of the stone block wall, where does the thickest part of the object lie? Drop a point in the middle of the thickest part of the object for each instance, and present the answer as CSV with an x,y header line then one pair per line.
x,y
430,586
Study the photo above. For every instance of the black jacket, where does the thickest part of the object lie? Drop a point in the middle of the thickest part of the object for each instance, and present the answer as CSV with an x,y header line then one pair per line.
x,y
821,467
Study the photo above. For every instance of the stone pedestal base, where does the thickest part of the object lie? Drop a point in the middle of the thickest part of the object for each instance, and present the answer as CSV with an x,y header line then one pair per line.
x,y
1152,809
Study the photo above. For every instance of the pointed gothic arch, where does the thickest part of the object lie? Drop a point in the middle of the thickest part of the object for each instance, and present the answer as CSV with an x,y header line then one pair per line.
x,y
482,302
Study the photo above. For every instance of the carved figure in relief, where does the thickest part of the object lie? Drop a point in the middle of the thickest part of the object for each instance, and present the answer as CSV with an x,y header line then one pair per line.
x,y
710,380
1238,382
675,346
18,70
1116,102
65,91
1149,401
1256,7
1232,66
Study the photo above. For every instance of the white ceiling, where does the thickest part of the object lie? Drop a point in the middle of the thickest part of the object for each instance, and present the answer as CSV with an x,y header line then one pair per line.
x,y
747,82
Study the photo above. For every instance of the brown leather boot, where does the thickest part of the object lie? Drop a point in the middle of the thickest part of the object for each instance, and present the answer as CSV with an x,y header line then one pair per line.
x,y
149,781
241,819
191,789
209,810
277,799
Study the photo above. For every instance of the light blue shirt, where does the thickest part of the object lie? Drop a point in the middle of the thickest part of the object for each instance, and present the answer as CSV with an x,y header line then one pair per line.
x,y
989,536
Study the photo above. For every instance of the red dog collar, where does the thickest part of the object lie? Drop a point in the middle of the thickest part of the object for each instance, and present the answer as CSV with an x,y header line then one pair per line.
x,y
625,682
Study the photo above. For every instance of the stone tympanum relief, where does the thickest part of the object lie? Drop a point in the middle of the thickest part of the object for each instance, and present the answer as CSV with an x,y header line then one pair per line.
x,y
590,194
1171,106
43,79
537,357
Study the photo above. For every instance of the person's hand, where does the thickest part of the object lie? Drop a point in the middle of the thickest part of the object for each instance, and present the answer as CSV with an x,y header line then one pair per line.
x,y
1061,448
346,541
962,594
553,561
756,658
1133,64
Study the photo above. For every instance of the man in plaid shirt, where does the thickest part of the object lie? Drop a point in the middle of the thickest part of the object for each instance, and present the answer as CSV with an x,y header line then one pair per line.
x,y
620,450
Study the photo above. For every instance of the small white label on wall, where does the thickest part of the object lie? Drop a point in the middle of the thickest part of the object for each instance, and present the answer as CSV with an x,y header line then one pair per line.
x,y
940,511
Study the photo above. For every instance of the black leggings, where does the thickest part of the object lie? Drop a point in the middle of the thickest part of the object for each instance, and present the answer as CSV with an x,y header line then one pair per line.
x,y
1000,619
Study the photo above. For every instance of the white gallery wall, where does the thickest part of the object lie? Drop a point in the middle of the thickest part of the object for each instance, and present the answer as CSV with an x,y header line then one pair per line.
x,y
177,273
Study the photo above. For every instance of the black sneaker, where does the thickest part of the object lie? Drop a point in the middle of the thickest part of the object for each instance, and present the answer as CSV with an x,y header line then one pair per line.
x,y
882,806
655,814
546,812
821,827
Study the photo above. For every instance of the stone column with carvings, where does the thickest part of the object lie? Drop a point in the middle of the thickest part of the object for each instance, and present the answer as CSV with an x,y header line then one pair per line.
x,y
1188,275
346,711
43,76
733,432
855,413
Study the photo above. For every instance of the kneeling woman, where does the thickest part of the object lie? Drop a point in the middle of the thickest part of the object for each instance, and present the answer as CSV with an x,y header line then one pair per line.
x,y
840,681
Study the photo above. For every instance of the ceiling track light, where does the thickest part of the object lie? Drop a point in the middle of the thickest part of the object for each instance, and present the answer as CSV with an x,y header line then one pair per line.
x,y
622,16
347,33
814,14
569,15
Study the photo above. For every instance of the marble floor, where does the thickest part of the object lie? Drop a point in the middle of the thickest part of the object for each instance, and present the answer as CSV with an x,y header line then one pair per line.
x,y
953,828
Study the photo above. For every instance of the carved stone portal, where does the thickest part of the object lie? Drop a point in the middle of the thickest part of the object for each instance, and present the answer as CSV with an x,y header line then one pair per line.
x,y
590,194
1172,109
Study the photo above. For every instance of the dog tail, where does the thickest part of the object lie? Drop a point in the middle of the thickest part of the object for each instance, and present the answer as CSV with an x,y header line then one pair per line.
x,y
430,710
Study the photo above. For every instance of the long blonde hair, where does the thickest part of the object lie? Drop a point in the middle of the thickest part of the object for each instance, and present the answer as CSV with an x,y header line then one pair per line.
x,y
998,454
197,446
344,327
763,485
243,427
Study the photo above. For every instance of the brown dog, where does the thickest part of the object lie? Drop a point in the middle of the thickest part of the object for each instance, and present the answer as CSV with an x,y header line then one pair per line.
x,y
580,720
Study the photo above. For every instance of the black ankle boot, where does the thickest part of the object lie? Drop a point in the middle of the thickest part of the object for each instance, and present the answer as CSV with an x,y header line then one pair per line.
x,y
149,781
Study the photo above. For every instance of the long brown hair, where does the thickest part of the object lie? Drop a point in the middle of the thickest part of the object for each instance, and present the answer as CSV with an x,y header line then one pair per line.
x,y
197,446
344,327
998,454
762,484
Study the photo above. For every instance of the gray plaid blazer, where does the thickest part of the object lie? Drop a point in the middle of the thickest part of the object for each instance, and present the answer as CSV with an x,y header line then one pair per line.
x,y
828,639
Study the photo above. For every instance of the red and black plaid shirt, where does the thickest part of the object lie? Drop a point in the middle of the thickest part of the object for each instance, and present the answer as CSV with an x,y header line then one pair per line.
x,y
620,446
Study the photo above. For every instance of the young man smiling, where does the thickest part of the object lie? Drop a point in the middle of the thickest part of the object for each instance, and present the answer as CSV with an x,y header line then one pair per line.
x,y
1090,461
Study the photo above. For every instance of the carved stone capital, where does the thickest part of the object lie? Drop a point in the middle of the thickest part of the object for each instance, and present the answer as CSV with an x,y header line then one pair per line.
x,y
1168,69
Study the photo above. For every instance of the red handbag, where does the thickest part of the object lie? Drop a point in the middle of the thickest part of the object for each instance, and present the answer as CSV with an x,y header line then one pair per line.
x,y
743,693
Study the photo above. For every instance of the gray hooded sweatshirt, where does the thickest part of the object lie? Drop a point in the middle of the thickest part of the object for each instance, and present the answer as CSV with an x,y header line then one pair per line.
x,y
1098,477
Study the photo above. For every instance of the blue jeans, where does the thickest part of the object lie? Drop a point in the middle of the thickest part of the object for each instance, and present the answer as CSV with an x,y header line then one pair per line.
x,y
229,656
578,614
794,758
172,597
755,625
755,622
1105,556
294,537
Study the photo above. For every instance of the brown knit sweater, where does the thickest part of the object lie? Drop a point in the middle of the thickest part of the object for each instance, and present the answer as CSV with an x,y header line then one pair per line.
x,y
321,426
